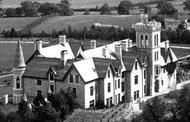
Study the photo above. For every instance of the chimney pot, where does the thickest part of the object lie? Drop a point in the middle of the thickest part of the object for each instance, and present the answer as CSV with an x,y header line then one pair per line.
x,y
62,39
93,44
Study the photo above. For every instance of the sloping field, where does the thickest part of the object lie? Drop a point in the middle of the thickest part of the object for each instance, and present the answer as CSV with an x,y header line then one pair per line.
x,y
17,23
74,3
81,21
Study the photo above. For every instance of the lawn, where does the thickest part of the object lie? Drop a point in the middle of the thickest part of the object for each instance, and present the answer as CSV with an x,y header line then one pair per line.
x,y
81,21
17,23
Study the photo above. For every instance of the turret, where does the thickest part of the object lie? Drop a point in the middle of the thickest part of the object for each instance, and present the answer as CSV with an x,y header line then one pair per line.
x,y
18,70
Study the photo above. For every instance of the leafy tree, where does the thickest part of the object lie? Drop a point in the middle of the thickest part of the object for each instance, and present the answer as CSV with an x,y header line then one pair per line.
x,y
186,5
39,100
86,12
166,8
13,33
145,8
154,110
48,9
105,9
10,12
124,6
19,11
23,107
65,8
29,8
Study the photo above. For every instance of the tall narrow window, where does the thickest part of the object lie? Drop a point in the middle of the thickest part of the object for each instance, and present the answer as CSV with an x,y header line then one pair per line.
x,y
135,65
39,82
115,84
142,41
77,78
71,78
51,76
146,40
91,91
122,87
108,73
118,83
74,91
155,40
155,56
144,74
18,83
136,79
109,87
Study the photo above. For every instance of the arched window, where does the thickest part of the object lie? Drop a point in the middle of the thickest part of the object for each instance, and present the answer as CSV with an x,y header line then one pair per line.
x,y
146,40
18,83
142,41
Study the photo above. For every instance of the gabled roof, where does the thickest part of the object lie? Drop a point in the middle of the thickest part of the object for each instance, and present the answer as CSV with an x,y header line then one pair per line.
x,y
86,69
102,65
38,67
168,56
19,57
129,57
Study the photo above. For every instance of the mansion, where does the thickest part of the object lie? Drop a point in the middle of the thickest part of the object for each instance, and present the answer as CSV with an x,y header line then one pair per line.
x,y
99,73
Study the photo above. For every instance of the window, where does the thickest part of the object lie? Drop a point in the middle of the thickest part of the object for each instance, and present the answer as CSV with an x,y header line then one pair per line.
x,y
107,102
71,78
118,83
115,84
122,87
91,91
18,83
110,100
157,70
136,79
142,39
52,88
119,71
135,65
74,91
109,87
163,70
39,92
77,78
108,73
51,76
136,95
162,82
39,82
144,74
118,98
155,56
92,103
155,40
145,89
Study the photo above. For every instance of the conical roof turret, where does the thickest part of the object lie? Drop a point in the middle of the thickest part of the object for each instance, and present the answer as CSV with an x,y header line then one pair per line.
x,y
19,57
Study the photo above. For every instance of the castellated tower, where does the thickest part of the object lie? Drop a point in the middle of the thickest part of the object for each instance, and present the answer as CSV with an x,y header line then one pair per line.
x,y
18,69
148,40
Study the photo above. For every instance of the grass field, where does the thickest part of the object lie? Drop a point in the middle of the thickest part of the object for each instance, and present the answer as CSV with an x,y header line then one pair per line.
x,y
81,21
17,23
74,3
7,52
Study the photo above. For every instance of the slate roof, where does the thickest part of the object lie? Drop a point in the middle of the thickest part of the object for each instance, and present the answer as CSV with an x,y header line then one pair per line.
x,y
181,52
102,65
129,57
39,67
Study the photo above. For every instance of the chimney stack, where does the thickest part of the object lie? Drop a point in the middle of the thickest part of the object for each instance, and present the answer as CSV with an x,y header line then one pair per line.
x,y
63,59
62,39
38,46
93,44
166,45
104,51
118,50
124,45
130,44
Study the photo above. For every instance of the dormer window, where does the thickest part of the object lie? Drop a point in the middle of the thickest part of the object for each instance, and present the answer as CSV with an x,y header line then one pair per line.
x,y
51,77
18,83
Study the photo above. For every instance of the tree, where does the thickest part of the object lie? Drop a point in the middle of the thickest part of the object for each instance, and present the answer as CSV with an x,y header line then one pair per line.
x,y
166,8
65,8
154,110
146,9
10,12
19,12
86,12
48,9
105,9
124,6
186,5
29,8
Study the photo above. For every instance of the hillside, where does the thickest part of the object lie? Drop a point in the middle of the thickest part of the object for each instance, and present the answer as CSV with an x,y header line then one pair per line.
x,y
81,21
17,23
75,3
